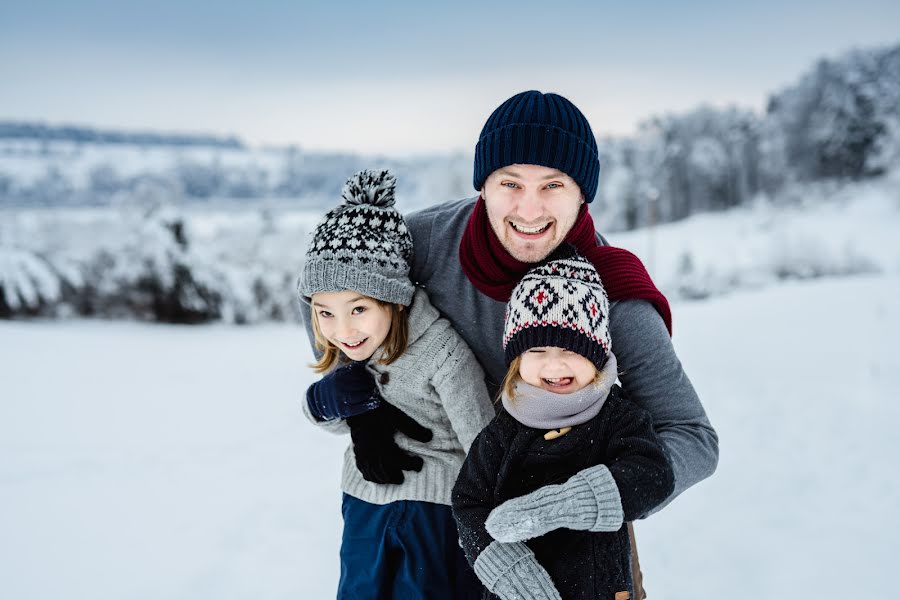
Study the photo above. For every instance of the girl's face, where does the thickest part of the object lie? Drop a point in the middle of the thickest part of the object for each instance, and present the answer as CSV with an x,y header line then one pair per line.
x,y
356,324
557,370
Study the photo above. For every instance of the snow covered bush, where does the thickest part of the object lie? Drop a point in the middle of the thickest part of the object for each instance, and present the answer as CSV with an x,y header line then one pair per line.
x,y
27,283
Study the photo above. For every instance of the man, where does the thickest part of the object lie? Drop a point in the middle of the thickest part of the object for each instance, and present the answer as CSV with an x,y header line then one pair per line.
x,y
536,167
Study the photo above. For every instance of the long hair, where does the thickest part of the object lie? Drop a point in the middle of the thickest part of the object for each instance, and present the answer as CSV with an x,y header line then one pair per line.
x,y
395,344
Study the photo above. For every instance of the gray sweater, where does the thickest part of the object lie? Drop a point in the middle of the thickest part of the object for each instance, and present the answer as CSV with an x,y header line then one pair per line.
x,y
650,372
438,383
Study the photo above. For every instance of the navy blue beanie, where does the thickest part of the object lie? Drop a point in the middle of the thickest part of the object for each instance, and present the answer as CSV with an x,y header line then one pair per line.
x,y
533,128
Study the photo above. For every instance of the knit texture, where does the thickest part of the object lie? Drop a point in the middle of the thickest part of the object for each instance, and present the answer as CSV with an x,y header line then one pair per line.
x,y
588,501
362,245
561,303
513,573
439,384
574,479
649,367
543,409
533,128
494,272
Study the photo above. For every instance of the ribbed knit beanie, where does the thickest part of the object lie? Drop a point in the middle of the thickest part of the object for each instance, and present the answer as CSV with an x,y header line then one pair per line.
x,y
534,128
562,303
363,244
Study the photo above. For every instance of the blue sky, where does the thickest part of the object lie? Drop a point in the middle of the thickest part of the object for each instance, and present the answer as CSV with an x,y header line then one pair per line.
x,y
403,77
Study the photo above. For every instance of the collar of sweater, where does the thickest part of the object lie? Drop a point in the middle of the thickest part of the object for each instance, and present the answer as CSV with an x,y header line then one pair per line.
x,y
422,315
542,409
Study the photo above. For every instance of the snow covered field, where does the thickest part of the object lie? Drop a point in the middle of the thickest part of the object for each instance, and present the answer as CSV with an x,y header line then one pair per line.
x,y
157,462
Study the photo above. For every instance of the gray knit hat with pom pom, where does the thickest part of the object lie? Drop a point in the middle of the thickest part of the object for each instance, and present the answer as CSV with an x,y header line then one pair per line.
x,y
363,244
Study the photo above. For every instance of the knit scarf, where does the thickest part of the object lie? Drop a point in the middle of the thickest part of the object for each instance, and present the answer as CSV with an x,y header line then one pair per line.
x,y
494,271
542,409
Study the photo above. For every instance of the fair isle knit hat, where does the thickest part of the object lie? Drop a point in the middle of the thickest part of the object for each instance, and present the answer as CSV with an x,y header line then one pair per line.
x,y
363,244
534,128
561,302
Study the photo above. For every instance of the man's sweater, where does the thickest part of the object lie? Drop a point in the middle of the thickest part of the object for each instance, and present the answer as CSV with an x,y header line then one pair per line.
x,y
438,383
650,371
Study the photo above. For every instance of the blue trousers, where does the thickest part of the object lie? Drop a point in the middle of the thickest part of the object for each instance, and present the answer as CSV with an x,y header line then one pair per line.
x,y
403,550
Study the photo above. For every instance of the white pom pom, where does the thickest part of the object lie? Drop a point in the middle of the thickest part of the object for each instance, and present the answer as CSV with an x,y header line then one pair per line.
x,y
375,188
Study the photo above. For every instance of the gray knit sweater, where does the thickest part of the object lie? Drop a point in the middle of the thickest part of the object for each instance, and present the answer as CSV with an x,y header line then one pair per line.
x,y
650,371
438,383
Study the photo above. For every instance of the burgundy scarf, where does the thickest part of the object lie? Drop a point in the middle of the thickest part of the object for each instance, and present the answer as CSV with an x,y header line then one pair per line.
x,y
495,272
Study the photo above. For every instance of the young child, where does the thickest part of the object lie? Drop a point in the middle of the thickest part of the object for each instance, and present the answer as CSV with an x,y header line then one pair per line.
x,y
377,332
562,414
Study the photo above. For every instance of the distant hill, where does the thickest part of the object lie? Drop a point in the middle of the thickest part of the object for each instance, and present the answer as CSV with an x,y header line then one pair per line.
x,y
837,122
80,134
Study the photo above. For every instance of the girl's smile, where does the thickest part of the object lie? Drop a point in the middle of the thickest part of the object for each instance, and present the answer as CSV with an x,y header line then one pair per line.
x,y
356,324
557,370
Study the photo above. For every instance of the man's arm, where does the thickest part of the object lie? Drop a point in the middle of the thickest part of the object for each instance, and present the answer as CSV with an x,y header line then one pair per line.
x,y
654,379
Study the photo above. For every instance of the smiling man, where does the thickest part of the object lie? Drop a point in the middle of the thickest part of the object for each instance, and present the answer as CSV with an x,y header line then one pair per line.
x,y
531,209
537,168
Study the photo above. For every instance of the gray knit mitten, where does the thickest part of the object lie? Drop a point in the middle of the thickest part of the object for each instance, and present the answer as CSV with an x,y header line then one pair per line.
x,y
588,501
511,571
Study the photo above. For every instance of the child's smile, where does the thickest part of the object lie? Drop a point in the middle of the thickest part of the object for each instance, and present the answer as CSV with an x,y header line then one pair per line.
x,y
556,369
356,324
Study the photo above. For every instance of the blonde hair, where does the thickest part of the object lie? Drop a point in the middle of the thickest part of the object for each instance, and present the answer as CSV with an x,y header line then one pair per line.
x,y
508,387
395,343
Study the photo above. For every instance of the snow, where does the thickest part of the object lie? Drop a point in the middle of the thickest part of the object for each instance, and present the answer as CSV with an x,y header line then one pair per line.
x,y
243,261
841,229
163,462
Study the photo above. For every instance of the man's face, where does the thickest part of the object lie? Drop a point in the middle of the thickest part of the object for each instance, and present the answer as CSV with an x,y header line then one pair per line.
x,y
531,209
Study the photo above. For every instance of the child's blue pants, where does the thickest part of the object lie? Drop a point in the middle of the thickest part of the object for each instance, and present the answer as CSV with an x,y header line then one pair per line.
x,y
403,550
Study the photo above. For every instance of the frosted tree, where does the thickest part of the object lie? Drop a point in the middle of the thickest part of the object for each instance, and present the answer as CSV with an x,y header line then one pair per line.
x,y
840,119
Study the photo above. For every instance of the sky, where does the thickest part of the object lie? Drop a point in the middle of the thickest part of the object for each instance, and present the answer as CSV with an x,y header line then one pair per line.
x,y
405,77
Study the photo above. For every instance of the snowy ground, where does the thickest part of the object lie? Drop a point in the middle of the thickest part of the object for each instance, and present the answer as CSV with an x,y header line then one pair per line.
x,y
154,462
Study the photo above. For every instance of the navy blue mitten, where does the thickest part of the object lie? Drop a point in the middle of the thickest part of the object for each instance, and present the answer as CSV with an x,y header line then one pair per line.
x,y
345,392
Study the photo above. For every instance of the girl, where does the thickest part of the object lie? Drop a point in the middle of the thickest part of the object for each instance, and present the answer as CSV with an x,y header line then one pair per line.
x,y
568,460
382,334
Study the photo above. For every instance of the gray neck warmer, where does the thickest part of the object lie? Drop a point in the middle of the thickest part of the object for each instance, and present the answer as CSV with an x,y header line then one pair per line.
x,y
543,409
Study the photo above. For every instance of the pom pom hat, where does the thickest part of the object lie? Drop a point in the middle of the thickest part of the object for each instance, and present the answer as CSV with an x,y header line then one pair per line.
x,y
363,244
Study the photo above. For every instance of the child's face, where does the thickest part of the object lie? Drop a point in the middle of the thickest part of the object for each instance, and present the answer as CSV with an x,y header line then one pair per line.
x,y
557,370
356,324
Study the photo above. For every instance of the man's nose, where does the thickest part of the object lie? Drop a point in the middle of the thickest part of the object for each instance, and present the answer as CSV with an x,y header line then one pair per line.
x,y
531,207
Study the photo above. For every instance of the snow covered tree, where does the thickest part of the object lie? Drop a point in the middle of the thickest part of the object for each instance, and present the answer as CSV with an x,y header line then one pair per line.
x,y
840,119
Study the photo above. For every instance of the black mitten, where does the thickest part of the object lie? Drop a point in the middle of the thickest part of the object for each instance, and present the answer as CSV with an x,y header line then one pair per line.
x,y
378,457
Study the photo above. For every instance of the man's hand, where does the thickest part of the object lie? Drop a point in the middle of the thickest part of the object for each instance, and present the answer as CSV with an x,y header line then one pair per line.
x,y
347,391
378,457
